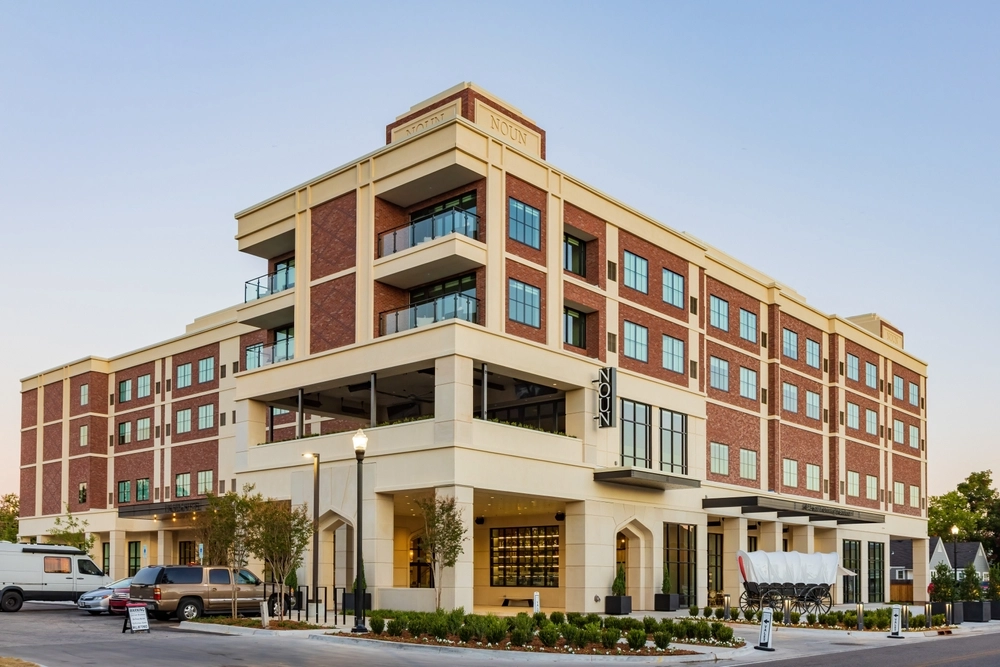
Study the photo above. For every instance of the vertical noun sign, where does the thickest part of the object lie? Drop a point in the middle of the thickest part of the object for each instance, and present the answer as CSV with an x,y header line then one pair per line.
x,y
606,398
766,623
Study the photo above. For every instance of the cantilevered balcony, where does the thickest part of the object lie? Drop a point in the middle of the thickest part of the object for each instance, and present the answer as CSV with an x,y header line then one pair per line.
x,y
263,355
452,221
270,283
447,307
269,301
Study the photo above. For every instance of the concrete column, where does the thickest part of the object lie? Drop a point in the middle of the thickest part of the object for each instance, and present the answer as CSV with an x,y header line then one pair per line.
x,y
453,399
554,279
327,563
580,421
343,542
921,570
251,429
496,235
164,547
589,550
701,559
378,546
827,540
119,554
400,557
734,538
457,586
769,535
802,539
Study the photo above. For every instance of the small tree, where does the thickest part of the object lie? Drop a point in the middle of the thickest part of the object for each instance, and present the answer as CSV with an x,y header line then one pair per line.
x,y
230,531
942,583
994,589
10,509
969,586
72,532
618,585
280,539
667,586
444,533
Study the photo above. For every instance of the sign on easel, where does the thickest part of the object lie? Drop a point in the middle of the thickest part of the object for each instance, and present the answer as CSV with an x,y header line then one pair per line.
x,y
766,625
896,622
537,606
136,619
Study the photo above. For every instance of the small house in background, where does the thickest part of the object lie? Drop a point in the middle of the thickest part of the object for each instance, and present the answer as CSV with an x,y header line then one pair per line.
x,y
956,555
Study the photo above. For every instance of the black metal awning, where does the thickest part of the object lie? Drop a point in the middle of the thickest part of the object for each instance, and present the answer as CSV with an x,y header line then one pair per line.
x,y
148,510
793,508
650,479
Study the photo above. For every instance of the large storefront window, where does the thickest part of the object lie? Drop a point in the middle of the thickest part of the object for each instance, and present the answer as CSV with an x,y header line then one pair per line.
x,y
525,556
876,572
681,555
134,557
714,567
548,415
635,434
421,572
673,442
185,553
852,561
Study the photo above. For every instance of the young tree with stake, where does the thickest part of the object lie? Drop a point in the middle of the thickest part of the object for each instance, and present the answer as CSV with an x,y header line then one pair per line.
x,y
444,533
282,535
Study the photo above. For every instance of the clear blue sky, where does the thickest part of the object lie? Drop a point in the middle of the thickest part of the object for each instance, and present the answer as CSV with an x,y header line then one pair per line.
x,y
848,149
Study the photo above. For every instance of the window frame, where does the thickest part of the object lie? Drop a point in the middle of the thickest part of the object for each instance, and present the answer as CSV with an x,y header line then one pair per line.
x,y
790,473
853,416
638,430
718,373
748,462
124,390
897,388
571,257
85,394
718,454
206,417
748,327
813,353
206,370
182,421
520,228
183,379
812,477
520,309
814,406
531,553
124,491
636,276
789,397
853,484
142,386
718,309
670,350
143,429
747,389
898,493
898,432
182,485
671,439
871,487
871,422
871,375
633,343
571,316
853,367
142,489
790,344
124,433
914,398
206,481
914,436
673,287
84,435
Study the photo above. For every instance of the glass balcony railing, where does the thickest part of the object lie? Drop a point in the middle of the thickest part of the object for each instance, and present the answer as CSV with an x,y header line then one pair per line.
x,y
427,229
268,284
263,355
447,307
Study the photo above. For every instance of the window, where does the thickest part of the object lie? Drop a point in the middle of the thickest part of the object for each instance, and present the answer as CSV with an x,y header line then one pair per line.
x,y
81,493
574,255
719,313
574,328
914,394
124,391
871,375
789,343
748,464
853,483
206,370
134,557
789,397
673,354
673,442
206,417
748,326
876,572
182,422
748,383
57,565
812,353
812,405
204,482
125,491
719,373
106,557
680,545
187,554
635,434
871,422
124,433
852,367
715,555
142,387
915,437
142,429
524,303
812,477
898,491
183,376
84,435
851,560
182,485
219,577
853,416
549,416
84,394
636,272
525,223
914,496
871,487
791,472
142,489
526,556
719,459
898,431
673,288
897,387
636,341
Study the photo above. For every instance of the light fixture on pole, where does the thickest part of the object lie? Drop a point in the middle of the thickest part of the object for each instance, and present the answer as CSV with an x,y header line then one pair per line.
x,y
860,611
954,564
726,608
315,554
360,441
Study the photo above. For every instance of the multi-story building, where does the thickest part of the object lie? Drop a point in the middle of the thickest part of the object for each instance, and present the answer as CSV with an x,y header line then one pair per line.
x,y
592,387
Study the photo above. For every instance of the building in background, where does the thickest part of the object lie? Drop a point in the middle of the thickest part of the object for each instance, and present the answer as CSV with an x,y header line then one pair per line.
x,y
593,387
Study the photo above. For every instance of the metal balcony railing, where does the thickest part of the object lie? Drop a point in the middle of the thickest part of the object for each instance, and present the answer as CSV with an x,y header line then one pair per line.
x,y
428,228
263,355
270,283
447,307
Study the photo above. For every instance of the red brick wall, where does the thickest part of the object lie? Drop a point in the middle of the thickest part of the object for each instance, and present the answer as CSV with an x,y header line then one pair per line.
x,y
97,487
387,298
833,469
532,196
804,447
597,325
658,259
835,358
132,467
150,370
863,460
53,401
195,433
906,470
864,355
52,488
195,458
97,436
332,313
97,389
29,446
80,471
908,421
341,425
246,340
193,357
528,276
804,331
134,417
52,442
864,405
737,429
333,235
388,216
736,360
736,301
29,408
804,384
596,251
657,326
908,377
27,491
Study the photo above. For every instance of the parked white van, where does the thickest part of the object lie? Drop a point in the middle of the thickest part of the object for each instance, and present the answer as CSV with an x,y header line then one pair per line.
x,y
45,572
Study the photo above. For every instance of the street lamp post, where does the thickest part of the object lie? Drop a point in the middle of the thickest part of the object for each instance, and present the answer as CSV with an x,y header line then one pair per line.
x,y
315,574
360,441
954,563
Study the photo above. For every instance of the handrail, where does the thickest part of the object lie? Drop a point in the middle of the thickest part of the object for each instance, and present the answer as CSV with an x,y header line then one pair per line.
x,y
447,307
428,228
270,354
269,283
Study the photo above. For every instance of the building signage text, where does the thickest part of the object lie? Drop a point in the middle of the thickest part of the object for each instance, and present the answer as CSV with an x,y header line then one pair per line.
x,y
606,398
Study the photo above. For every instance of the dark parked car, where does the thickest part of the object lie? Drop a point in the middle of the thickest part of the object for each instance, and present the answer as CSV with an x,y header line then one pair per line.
x,y
119,596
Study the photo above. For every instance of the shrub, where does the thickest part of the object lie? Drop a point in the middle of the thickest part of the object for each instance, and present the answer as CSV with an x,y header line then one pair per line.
x,y
684,628
524,622
466,633
539,617
395,627
549,635
575,618
439,627
378,624
725,634
840,615
417,625
610,637
937,620
613,623
702,631
495,629
850,620
882,621
636,639
477,624
811,618
570,633
918,621
629,623
796,617
650,625
455,619
618,585
667,625
707,612
715,628
749,615
520,636
720,612
759,614
590,619
558,618
591,634
662,640
693,611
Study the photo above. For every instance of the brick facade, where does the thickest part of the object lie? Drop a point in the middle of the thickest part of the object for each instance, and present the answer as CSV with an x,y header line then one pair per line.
x,y
97,389
532,196
864,460
29,447
193,357
52,488
27,492
132,467
656,328
596,249
133,374
333,235
596,325
738,430
29,408
52,442
657,259
195,433
332,312
528,276
53,408
195,458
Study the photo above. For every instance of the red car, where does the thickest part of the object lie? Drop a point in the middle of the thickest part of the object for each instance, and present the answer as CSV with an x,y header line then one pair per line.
x,y
119,597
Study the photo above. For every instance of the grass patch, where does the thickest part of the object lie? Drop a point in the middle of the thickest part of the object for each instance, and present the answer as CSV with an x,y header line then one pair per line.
x,y
15,662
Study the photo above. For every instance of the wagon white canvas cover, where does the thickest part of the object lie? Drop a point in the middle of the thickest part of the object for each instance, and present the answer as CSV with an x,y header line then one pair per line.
x,y
790,566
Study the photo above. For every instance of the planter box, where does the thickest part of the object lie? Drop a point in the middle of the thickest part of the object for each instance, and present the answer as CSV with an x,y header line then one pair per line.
x,y
976,612
618,605
666,602
995,610
349,602
957,617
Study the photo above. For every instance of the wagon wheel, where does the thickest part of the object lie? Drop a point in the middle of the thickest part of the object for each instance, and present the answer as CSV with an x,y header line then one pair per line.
x,y
749,604
823,600
809,601
772,599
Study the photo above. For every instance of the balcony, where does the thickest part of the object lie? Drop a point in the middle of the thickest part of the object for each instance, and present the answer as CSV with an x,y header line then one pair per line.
x,y
269,301
430,249
453,221
264,355
269,284
448,307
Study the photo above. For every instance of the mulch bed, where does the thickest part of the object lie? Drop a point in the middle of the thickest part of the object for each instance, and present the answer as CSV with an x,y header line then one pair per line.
x,y
243,622
534,646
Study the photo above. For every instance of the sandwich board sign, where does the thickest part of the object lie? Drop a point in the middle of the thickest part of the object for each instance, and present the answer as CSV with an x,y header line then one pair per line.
x,y
766,625
136,619
897,612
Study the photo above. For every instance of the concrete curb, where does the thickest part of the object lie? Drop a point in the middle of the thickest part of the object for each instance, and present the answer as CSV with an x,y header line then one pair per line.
x,y
217,629
711,656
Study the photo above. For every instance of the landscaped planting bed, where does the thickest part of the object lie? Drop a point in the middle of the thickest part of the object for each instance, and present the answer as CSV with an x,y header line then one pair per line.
x,y
558,633
245,622
876,620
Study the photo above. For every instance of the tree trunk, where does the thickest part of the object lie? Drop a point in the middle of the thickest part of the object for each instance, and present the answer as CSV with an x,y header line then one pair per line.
x,y
437,585
233,591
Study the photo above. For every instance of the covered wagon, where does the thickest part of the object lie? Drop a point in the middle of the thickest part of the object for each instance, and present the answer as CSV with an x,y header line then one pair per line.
x,y
771,577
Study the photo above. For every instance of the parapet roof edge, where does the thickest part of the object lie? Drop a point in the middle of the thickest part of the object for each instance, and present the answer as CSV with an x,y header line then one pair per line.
x,y
462,86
